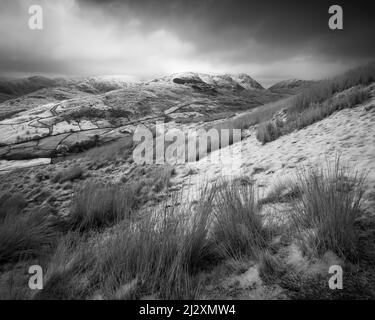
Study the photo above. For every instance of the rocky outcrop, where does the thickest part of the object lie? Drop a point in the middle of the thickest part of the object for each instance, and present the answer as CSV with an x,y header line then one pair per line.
x,y
216,82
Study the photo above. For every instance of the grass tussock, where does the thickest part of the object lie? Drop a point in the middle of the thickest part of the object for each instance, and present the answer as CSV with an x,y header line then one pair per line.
x,y
162,252
238,228
26,236
11,204
268,131
159,254
325,215
96,206
117,151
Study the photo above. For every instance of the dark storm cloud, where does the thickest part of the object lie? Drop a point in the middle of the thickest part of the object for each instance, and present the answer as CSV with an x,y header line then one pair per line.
x,y
286,26
270,40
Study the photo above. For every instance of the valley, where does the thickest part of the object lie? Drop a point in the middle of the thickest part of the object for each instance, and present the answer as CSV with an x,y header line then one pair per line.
x,y
225,226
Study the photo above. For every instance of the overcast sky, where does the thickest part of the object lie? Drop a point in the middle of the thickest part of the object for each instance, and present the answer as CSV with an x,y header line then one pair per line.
x,y
269,40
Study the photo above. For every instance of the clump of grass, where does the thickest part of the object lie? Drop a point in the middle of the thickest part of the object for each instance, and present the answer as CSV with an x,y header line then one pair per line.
x,y
120,149
25,236
238,228
329,205
11,204
158,254
267,132
147,181
163,251
162,178
70,174
96,206
68,269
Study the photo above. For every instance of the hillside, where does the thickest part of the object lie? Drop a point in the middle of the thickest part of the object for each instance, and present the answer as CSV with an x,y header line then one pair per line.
x,y
13,88
292,86
264,217
78,115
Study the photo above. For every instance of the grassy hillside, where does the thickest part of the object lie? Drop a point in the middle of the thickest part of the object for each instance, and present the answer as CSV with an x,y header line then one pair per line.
x,y
320,101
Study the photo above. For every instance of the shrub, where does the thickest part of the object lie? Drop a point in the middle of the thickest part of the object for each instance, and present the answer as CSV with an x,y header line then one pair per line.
x,y
329,205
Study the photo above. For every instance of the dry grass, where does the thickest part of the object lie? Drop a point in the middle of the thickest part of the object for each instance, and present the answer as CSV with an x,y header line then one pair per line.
x,y
25,236
324,90
270,267
11,204
70,174
96,206
267,132
321,100
296,120
160,254
163,251
258,115
120,149
238,228
325,215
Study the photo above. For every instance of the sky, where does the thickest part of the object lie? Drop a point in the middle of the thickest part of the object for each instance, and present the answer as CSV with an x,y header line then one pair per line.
x,y
143,39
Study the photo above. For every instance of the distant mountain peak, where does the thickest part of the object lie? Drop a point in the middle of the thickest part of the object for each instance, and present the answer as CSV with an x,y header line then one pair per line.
x,y
224,81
